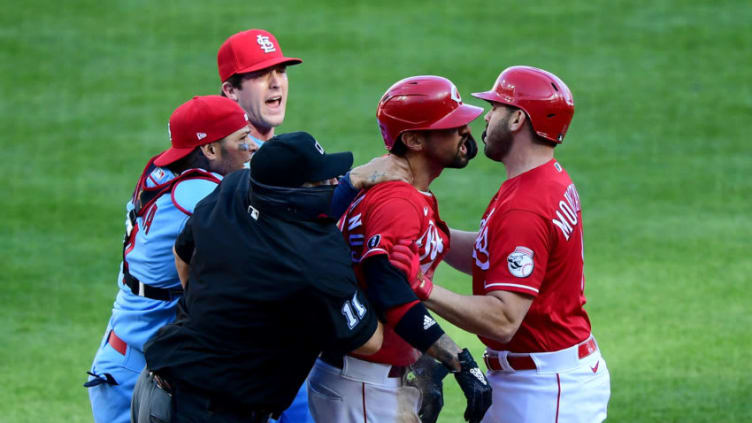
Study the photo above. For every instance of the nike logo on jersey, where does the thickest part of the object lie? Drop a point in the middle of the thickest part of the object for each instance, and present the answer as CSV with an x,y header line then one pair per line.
x,y
595,368
428,322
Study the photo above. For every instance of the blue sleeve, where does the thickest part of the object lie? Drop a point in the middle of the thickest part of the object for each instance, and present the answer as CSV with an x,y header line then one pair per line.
x,y
343,196
189,192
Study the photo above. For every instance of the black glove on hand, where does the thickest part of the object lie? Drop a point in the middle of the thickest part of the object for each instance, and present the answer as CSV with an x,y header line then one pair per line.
x,y
428,375
475,387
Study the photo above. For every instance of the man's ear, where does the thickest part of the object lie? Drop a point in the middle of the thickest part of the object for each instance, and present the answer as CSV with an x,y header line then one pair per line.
x,y
229,91
210,150
414,140
517,121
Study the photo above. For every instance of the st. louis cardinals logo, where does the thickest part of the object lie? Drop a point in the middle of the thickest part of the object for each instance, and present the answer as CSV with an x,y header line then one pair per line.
x,y
480,252
520,262
265,44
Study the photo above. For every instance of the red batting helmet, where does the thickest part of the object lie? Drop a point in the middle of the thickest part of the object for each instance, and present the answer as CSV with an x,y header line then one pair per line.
x,y
542,95
422,103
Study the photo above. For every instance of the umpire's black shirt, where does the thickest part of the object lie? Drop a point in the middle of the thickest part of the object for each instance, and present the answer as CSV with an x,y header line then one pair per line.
x,y
269,289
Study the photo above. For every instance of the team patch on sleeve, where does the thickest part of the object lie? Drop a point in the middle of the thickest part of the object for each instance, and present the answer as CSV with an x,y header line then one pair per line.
x,y
374,241
520,262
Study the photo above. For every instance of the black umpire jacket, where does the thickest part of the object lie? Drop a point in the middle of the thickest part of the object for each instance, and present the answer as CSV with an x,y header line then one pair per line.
x,y
269,279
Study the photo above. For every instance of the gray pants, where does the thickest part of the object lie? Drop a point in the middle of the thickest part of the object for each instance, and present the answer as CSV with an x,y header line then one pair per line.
x,y
150,403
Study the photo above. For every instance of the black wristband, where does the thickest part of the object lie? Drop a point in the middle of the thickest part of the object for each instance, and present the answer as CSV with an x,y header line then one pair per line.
x,y
418,328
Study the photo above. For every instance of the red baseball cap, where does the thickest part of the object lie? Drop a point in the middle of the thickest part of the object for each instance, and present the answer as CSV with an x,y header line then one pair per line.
x,y
199,121
249,51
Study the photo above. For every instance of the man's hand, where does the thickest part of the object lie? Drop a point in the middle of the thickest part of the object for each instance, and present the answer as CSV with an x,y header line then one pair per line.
x,y
475,387
381,169
428,378
404,256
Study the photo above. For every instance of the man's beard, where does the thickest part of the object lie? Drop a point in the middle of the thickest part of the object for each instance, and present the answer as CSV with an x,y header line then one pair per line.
x,y
471,149
498,147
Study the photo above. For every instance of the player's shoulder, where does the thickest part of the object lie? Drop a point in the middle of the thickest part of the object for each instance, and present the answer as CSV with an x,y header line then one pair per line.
x,y
536,190
158,176
393,189
396,196
193,188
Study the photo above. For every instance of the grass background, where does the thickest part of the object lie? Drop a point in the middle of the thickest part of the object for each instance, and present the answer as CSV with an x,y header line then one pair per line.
x,y
658,148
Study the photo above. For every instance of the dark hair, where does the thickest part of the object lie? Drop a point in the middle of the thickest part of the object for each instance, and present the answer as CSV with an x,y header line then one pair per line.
x,y
235,81
399,148
195,159
539,139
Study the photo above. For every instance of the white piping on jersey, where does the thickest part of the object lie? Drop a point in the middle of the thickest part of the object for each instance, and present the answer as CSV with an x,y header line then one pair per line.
x,y
376,250
427,194
367,254
511,285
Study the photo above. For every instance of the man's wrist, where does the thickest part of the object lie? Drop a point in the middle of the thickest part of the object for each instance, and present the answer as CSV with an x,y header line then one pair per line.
x,y
355,177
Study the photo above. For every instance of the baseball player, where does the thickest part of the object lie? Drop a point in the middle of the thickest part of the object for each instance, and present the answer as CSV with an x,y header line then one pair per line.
x,y
422,119
527,264
210,138
253,71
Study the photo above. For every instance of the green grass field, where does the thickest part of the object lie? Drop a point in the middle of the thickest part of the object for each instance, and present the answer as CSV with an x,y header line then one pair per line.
x,y
658,148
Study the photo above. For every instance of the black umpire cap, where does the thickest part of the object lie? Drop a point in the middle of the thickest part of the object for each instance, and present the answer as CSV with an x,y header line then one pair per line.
x,y
292,159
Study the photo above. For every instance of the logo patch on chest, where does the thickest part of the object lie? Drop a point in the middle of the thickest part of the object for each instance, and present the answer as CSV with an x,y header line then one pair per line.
x,y
520,262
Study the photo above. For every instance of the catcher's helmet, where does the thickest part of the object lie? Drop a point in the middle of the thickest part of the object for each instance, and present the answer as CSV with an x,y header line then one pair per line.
x,y
542,95
422,103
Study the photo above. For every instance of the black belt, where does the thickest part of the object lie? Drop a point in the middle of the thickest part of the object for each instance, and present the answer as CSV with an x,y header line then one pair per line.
x,y
338,361
143,290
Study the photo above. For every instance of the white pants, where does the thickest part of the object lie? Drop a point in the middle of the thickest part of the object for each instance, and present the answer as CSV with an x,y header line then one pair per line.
x,y
563,389
360,392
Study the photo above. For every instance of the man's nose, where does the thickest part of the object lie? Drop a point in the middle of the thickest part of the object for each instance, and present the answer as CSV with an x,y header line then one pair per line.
x,y
274,78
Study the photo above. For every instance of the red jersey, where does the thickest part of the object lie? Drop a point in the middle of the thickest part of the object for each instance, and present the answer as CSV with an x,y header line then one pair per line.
x,y
375,221
530,241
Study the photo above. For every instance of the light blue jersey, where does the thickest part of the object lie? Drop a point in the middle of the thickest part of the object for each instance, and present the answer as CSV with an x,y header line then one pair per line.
x,y
148,258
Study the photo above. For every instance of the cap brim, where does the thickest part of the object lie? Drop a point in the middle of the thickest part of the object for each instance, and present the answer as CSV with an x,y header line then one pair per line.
x,y
488,96
172,155
459,117
335,164
269,63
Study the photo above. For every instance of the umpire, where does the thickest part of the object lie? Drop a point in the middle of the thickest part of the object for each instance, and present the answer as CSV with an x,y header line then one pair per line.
x,y
270,285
